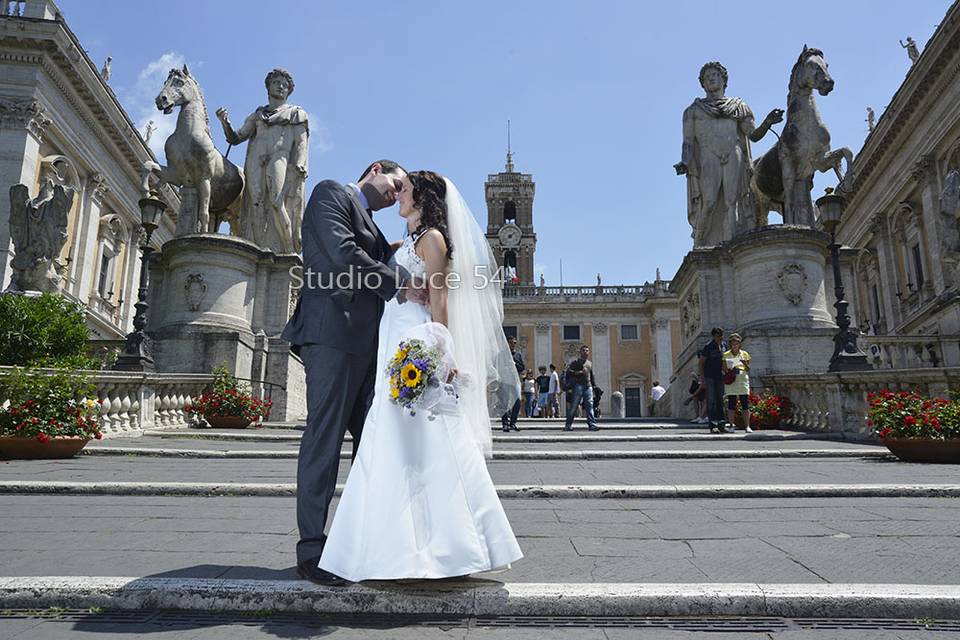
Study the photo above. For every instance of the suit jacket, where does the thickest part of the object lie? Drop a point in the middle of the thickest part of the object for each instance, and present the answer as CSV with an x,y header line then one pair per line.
x,y
346,280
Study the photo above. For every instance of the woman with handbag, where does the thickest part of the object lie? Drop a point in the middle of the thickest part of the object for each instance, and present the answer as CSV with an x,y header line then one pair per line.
x,y
736,382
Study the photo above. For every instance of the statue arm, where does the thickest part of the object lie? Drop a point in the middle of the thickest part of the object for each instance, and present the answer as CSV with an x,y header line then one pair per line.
x,y
686,150
298,154
236,137
747,125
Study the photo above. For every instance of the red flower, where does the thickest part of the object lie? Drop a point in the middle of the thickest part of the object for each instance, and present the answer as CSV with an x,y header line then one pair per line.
x,y
44,438
909,421
98,435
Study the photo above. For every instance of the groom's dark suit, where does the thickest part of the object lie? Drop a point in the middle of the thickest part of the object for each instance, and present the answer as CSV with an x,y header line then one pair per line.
x,y
334,330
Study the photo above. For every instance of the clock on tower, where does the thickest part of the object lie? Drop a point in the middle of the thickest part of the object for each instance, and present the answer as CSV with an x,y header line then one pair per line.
x,y
510,232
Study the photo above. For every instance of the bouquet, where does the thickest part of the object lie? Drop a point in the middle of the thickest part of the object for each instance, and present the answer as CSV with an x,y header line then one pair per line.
x,y
419,373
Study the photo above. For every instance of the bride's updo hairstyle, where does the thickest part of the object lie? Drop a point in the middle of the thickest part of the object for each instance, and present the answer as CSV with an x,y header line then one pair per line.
x,y
429,196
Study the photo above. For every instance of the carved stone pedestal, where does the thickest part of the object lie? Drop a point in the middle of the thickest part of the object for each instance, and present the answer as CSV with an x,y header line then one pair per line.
x,y
221,300
767,285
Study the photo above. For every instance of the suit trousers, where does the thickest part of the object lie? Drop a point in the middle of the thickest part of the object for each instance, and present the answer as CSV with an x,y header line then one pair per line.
x,y
339,393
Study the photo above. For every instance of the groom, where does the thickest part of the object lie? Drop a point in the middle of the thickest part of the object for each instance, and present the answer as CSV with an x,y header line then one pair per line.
x,y
334,331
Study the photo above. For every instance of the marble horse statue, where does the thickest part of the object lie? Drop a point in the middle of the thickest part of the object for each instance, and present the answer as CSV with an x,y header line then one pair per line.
x,y
783,176
192,159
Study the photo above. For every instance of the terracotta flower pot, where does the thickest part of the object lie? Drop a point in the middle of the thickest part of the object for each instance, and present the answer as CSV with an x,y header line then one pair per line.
x,y
32,449
924,450
227,422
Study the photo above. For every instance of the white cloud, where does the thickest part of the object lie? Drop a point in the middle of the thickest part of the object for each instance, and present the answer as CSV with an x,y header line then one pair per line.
x,y
139,101
320,139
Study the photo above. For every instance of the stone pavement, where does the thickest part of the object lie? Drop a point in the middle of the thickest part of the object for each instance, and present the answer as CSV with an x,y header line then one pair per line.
x,y
568,542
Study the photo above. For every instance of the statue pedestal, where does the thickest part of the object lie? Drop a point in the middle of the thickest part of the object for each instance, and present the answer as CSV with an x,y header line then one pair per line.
x,y
767,285
220,300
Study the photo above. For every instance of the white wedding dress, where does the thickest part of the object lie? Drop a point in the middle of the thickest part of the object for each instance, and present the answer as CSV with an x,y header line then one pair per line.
x,y
419,502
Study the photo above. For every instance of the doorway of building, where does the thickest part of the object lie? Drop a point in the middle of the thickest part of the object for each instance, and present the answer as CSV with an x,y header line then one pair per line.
x,y
633,402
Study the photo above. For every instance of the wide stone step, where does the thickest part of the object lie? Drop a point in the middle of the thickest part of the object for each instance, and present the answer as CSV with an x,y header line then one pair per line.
x,y
677,435
549,492
516,454
481,598
721,472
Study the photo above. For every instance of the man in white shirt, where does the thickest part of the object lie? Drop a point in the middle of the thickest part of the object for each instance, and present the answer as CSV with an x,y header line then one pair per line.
x,y
553,402
655,394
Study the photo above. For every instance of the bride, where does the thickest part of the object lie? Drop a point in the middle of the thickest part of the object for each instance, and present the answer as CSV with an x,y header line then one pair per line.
x,y
419,502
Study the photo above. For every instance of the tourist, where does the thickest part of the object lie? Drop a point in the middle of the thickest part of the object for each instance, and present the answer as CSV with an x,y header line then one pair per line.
x,y
655,394
554,393
697,392
710,367
581,382
529,394
543,390
736,364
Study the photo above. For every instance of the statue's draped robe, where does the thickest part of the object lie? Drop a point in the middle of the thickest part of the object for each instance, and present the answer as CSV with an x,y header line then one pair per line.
x,y
273,196
38,228
708,230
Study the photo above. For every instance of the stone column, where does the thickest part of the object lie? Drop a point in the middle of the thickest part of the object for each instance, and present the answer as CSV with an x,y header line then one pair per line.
x,y
87,236
664,349
924,171
602,365
889,280
542,346
23,121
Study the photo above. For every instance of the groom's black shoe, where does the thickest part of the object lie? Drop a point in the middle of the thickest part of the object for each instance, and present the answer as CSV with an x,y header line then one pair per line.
x,y
308,570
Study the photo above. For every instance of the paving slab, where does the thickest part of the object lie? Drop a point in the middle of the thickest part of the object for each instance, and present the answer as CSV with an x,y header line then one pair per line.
x,y
563,541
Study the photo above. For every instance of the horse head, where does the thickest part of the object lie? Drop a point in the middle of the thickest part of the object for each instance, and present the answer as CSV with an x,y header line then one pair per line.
x,y
810,72
179,89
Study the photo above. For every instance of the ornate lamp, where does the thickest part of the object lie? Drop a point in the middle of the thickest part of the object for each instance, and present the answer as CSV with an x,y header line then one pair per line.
x,y
846,353
136,353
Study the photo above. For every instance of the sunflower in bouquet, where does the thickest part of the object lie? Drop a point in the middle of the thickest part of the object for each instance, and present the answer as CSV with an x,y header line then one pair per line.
x,y
411,371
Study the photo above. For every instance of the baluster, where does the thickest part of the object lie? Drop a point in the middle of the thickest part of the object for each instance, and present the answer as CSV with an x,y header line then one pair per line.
x,y
104,394
124,411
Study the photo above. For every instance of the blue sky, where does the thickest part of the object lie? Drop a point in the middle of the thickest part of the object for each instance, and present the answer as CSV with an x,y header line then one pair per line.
x,y
595,92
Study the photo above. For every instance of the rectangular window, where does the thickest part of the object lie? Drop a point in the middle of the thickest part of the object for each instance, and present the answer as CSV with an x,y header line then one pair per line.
x,y
510,332
629,332
105,283
571,332
917,266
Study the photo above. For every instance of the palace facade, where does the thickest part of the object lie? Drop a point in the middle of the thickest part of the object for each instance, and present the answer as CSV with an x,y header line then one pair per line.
x,y
61,121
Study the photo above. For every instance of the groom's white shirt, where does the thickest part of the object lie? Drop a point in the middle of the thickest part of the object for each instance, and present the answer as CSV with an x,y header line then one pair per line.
x,y
362,198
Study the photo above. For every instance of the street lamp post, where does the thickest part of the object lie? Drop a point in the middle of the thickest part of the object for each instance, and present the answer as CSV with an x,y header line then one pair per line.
x,y
136,353
846,353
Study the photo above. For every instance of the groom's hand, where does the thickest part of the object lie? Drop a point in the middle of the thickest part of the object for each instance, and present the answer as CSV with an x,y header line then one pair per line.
x,y
415,290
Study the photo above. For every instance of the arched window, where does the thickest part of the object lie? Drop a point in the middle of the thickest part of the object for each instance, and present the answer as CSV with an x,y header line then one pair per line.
x,y
510,264
510,212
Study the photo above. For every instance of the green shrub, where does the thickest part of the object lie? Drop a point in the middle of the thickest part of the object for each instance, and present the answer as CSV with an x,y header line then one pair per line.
x,y
43,331
48,405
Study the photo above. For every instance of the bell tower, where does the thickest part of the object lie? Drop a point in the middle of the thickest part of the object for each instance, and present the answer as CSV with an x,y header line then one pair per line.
x,y
510,220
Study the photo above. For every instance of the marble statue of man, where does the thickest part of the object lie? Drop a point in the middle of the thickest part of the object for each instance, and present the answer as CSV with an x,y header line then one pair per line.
x,y
275,168
912,51
717,132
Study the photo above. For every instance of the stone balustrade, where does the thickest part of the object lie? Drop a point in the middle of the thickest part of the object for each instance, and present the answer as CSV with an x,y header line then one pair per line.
x,y
837,402
134,402
607,293
910,351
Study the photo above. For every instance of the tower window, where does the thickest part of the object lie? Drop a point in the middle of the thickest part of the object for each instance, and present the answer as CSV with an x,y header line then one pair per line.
x,y
629,332
571,332
510,212
509,265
